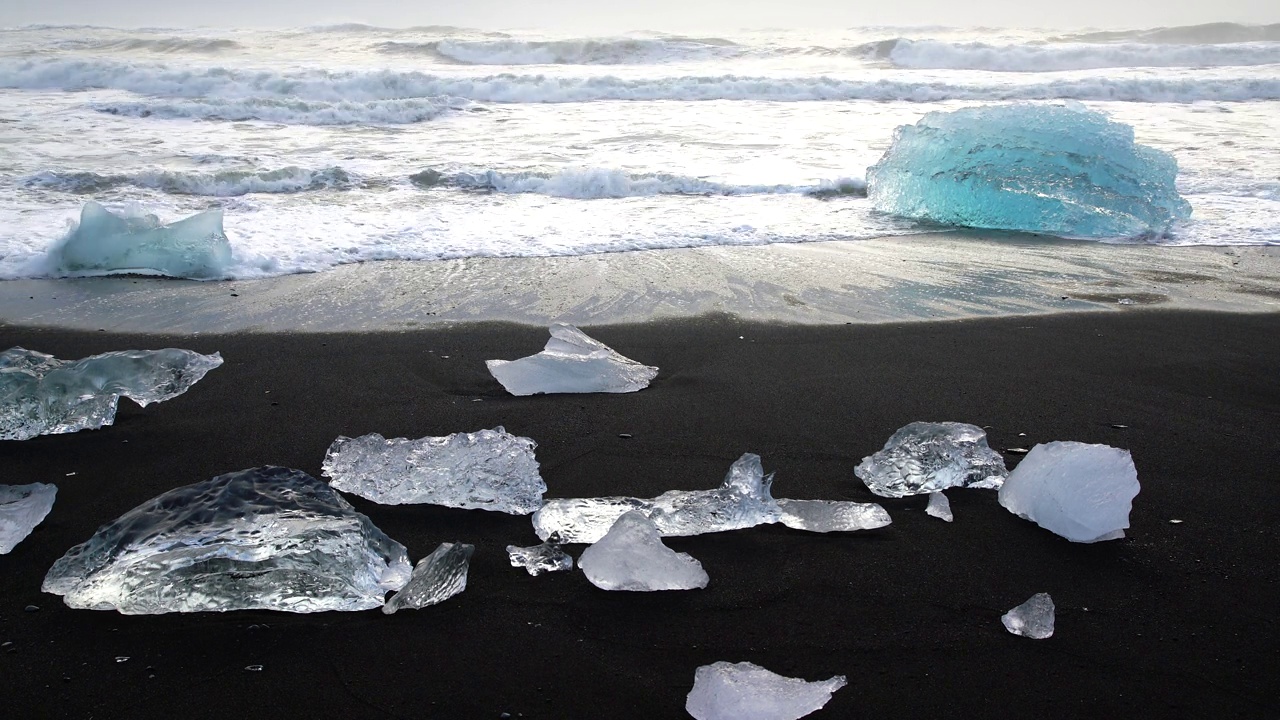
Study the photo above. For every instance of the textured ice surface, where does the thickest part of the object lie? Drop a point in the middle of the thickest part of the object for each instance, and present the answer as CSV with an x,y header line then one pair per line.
x,y
631,556
436,578
743,691
832,515
1082,492
939,506
926,457
105,243
572,363
22,507
1050,169
266,538
42,395
1033,618
547,557
742,501
485,470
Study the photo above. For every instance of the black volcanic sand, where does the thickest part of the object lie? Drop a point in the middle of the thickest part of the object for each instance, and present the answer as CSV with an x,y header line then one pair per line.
x,y
1177,620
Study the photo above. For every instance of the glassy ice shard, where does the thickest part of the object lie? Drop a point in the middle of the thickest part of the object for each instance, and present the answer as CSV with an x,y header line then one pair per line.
x,y
631,556
832,515
42,395
1079,491
744,691
485,470
267,538
547,557
572,363
436,578
105,243
22,508
939,507
926,457
1033,618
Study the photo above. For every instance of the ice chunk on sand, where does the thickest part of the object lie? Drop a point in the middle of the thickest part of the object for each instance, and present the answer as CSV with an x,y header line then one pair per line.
x,y
631,556
743,691
22,508
1066,171
572,363
105,243
1082,492
939,507
485,470
742,501
926,457
436,578
267,538
1033,618
547,557
42,395
832,515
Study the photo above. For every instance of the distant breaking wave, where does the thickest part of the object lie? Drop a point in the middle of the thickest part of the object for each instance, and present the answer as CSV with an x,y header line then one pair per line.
x,y
592,183
288,111
224,183
937,55
1208,33
168,45
586,51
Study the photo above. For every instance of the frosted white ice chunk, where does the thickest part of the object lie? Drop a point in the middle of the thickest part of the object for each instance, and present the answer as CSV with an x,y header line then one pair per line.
x,y
267,538
485,470
436,578
926,457
832,515
572,363
1033,618
1080,491
105,243
42,395
939,506
631,556
22,508
744,691
547,557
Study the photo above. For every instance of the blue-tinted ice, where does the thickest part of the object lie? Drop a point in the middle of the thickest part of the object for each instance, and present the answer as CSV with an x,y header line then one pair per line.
x,y
105,243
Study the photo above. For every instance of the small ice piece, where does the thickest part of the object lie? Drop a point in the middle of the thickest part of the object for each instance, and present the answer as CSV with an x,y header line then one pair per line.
x,y
22,508
1080,491
485,470
939,506
572,363
926,457
1033,618
436,578
42,395
744,691
267,538
631,556
547,557
832,515
105,243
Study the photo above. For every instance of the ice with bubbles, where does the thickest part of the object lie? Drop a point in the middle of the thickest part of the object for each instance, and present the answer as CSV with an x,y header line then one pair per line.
x,y
436,578
831,515
925,457
572,362
746,691
1080,491
22,508
105,243
631,557
1033,618
537,559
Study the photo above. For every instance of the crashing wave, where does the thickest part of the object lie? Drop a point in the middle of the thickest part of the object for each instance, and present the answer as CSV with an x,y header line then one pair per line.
x,y
224,183
104,243
939,55
583,51
587,183
165,45
1208,33
288,112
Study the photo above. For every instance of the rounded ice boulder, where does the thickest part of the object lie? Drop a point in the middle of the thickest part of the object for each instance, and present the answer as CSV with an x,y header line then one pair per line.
x,y
1080,491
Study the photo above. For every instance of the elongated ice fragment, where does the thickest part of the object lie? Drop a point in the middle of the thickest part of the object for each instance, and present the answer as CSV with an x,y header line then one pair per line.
x,y
1033,618
22,508
832,515
267,538
1080,491
631,556
547,557
485,470
926,457
436,578
744,691
939,506
572,363
42,395
105,243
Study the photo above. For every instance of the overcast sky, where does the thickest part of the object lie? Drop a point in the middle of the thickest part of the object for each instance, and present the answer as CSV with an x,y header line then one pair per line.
x,y
618,15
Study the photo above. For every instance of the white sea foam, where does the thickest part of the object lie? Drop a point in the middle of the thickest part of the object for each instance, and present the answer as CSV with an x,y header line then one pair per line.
x,y
589,183
933,54
224,183
581,51
288,111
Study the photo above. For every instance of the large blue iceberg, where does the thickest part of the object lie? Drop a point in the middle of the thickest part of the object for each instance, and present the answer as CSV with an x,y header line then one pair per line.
x,y
1052,169
105,243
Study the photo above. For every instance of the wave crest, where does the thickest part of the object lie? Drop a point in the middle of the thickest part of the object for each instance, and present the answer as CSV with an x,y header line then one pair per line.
x,y
937,55
594,183
1204,34
585,51
288,112
224,183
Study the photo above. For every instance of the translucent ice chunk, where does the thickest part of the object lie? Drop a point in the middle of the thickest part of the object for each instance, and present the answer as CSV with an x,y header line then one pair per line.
x,y
22,508
743,691
1033,618
436,578
485,470
42,395
939,507
267,538
926,457
832,515
1065,171
547,557
572,363
105,243
1082,492
631,556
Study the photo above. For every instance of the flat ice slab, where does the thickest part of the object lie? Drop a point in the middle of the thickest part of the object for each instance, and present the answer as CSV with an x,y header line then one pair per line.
x,y
1080,491
436,578
106,243
22,508
267,538
743,691
1033,618
485,470
631,556
572,363
939,507
925,457
42,395
832,515
547,557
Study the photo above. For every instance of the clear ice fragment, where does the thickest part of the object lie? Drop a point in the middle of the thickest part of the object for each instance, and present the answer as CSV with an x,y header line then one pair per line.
x,y
926,457
939,506
744,691
436,578
22,508
631,556
42,395
571,362
1033,618
547,557
267,538
832,515
485,470
1080,491
105,243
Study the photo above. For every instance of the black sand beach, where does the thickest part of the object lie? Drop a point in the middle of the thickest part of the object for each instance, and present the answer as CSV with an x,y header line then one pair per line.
x,y
1177,620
